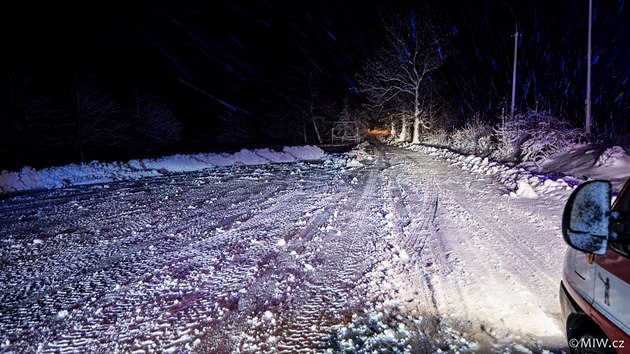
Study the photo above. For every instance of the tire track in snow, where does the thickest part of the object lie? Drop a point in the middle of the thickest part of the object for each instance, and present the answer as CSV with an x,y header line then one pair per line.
x,y
273,259
128,241
401,313
328,297
499,231
278,272
183,250
485,258
427,260
500,234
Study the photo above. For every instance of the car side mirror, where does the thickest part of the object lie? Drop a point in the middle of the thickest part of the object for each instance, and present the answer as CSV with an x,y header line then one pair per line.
x,y
586,219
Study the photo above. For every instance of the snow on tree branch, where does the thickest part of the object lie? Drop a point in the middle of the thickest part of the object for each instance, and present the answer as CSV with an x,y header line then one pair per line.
x,y
396,77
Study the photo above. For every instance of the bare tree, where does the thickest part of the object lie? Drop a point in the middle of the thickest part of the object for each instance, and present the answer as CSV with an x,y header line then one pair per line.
x,y
155,125
399,71
31,122
312,100
98,121
308,102
308,105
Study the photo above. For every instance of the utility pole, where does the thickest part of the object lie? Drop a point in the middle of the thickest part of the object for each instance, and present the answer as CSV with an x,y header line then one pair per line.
x,y
514,72
515,53
587,125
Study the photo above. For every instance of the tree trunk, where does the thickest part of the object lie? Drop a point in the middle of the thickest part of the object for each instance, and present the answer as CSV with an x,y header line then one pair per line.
x,y
403,128
416,118
416,130
319,137
392,130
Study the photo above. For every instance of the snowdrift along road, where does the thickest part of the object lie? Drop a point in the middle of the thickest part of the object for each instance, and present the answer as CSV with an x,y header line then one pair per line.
x,y
406,253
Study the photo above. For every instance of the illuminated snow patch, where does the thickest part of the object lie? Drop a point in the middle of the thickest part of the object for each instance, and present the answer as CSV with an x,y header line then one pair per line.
x,y
98,172
525,190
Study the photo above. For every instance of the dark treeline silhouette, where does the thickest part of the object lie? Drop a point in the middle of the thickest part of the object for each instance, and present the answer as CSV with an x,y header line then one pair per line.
x,y
124,79
79,123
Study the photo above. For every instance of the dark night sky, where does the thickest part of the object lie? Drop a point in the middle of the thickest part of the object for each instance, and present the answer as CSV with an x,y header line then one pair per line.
x,y
208,59
222,63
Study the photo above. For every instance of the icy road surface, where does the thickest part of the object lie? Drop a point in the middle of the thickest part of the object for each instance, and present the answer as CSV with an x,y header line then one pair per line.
x,y
405,254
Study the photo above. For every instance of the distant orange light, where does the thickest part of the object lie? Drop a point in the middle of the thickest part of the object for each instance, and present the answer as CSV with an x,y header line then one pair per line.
x,y
379,132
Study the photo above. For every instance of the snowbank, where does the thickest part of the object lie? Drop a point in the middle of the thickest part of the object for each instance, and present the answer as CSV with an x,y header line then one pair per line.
x,y
98,172
73,174
305,153
520,182
276,156
583,162
613,156
592,162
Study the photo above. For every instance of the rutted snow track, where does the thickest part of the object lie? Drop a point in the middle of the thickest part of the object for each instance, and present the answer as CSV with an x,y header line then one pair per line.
x,y
402,255
494,261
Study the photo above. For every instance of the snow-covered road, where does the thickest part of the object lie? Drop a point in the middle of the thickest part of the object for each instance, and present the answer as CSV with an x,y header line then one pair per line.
x,y
407,253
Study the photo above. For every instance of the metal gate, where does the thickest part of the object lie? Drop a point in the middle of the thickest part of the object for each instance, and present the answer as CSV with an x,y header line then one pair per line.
x,y
346,131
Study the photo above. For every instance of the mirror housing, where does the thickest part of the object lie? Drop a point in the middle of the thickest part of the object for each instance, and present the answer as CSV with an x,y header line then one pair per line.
x,y
586,218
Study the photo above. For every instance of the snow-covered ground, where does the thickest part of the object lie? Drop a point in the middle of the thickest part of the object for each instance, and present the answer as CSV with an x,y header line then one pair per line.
x,y
98,172
384,249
